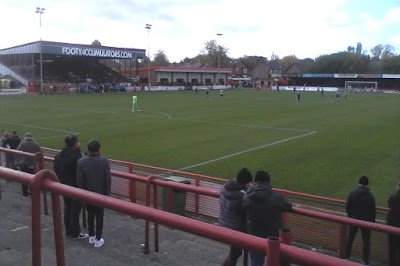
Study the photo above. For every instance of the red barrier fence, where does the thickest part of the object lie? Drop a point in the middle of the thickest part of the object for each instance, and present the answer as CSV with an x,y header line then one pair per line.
x,y
204,197
47,180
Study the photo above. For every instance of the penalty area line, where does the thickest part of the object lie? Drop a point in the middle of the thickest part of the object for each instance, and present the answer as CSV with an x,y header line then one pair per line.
x,y
246,151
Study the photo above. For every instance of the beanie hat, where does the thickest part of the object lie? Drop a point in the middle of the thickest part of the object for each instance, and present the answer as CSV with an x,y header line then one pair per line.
x,y
244,176
363,180
262,176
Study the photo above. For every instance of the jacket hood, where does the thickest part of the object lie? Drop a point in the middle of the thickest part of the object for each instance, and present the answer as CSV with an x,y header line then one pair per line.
x,y
233,185
67,151
361,190
261,190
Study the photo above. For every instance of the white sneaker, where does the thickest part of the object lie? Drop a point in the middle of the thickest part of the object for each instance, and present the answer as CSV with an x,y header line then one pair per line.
x,y
92,239
98,243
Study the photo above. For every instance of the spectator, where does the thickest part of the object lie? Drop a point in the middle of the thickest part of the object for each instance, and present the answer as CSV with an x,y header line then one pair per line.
x,y
25,163
393,219
360,204
5,136
65,166
12,142
94,175
232,214
264,209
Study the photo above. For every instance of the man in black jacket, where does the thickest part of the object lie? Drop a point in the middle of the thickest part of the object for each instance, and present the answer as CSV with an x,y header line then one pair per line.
x,y
393,219
360,204
94,175
12,142
65,166
232,214
264,208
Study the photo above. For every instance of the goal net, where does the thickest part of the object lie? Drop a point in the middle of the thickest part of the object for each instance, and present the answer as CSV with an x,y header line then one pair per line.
x,y
361,86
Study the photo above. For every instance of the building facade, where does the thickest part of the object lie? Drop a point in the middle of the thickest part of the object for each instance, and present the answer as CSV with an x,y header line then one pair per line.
x,y
179,76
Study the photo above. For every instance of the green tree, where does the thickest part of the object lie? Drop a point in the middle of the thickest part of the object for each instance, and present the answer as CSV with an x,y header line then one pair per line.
x,y
342,62
288,60
376,51
214,53
359,48
391,65
160,59
96,43
388,51
274,57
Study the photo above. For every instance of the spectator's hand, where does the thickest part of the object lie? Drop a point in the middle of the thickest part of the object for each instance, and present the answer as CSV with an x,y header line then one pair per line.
x,y
77,145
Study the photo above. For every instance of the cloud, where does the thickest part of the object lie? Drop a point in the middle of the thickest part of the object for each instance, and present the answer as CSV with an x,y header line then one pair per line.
x,y
370,23
395,40
393,16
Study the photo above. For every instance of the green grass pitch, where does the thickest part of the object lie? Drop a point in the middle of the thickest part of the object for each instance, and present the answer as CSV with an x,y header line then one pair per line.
x,y
317,146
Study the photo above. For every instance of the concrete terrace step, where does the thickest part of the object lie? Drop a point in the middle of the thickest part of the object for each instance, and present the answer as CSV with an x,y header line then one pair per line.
x,y
123,236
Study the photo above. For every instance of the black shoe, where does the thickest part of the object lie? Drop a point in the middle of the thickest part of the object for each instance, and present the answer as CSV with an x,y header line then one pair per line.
x,y
81,236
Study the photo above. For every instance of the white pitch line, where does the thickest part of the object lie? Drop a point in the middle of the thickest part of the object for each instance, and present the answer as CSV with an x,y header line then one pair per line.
x,y
248,150
242,125
45,128
19,228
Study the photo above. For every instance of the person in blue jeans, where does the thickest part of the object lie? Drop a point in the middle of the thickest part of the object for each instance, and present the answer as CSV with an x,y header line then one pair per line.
x,y
264,209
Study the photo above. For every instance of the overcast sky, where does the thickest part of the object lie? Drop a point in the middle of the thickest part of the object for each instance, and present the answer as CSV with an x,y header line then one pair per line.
x,y
307,28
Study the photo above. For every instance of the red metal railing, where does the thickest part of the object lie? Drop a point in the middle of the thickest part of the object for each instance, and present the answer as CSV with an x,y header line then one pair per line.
x,y
132,179
47,180
330,235
197,178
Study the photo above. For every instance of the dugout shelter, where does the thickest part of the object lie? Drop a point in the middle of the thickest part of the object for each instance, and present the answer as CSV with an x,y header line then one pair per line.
x,y
63,66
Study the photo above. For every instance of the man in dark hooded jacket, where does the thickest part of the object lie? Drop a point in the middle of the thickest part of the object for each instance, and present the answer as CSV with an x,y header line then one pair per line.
x,y
65,166
25,163
264,208
393,219
231,213
360,204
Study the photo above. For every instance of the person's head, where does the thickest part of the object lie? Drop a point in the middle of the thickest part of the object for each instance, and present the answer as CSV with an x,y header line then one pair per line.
x,y
5,133
262,176
244,176
28,135
363,181
71,140
15,132
93,146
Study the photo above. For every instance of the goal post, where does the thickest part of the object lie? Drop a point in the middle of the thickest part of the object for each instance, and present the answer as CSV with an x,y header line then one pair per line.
x,y
360,86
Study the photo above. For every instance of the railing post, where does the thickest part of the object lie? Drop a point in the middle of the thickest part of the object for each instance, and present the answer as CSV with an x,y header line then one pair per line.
x,y
284,213
273,251
36,237
58,236
147,223
155,202
342,241
35,206
197,196
38,164
170,199
132,186
286,237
